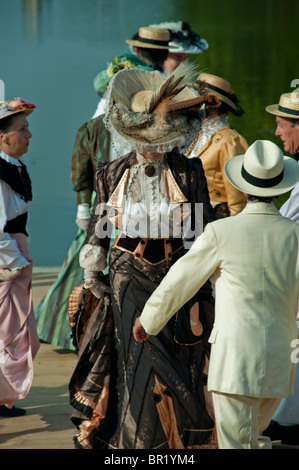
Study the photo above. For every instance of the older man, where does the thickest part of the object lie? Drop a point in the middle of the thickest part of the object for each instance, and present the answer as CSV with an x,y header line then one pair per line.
x,y
255,258
285,423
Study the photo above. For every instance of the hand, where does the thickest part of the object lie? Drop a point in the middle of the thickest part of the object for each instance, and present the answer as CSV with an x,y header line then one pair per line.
x,y
82,223
99,289
138,331
8,274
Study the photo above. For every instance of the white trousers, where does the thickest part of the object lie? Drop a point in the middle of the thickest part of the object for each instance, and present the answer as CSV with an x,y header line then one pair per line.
x,y
240,420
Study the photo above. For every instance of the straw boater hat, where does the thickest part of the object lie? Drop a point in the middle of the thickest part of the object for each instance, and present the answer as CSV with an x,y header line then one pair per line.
x,y
153,111
288,106
17,105
222,89
182,38
152,38
263,170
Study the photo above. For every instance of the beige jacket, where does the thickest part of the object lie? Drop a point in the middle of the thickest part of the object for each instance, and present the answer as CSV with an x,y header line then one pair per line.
x,y
255,257
223,145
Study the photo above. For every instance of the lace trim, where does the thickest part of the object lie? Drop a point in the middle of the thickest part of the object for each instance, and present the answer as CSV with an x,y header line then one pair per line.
x,y
208,130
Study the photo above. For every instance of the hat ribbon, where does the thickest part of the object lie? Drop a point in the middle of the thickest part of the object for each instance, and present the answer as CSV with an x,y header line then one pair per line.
x,y
232,97
152,41
288,110
261,182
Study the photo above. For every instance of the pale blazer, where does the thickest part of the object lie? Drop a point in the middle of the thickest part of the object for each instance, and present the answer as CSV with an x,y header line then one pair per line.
x,y
255,258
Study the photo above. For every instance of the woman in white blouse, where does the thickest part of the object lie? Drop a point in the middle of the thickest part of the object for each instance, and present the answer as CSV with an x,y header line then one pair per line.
x,y
18,339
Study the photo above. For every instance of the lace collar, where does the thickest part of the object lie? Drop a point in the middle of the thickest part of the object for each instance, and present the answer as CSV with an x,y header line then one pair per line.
x,y
208,130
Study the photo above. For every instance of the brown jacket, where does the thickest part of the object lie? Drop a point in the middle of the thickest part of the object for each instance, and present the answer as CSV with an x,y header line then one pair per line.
x,y
224,144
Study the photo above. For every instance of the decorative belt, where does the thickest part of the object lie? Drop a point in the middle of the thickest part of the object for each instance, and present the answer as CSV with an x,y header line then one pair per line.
x,y
151,250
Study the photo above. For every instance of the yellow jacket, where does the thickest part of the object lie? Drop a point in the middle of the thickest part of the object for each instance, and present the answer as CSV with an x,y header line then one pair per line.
x,y
224,144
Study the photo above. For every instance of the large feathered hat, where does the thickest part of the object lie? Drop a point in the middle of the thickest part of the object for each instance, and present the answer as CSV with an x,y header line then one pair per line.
x,y
154,111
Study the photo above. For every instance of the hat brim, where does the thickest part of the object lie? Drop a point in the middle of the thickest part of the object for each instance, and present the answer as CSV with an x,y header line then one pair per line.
x,y
26,111
273,109
146,45
233,168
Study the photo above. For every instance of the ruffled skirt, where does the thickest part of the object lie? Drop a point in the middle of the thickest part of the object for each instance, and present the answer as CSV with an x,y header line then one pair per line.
x,y
19,342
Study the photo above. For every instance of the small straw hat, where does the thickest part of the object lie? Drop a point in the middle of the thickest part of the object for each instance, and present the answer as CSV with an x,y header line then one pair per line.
x,y
220,88
17,105
263,170
288,106
152,38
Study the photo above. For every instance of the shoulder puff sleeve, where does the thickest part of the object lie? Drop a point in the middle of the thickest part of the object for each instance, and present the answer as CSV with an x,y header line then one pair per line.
x,y
10,255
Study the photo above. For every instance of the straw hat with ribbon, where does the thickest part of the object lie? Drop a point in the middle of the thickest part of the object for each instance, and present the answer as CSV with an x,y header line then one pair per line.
x,y
221,88
153,111
152,38
263,170
17,105
288,106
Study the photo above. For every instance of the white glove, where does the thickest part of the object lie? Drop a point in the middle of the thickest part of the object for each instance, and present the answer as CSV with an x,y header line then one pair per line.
x,y
8,274
82,224
83,216
97,287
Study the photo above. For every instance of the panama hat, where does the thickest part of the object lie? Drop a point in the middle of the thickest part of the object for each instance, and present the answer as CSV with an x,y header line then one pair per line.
x,y
221,88
153,110
263,170
182,38
288,106
152,38
17,105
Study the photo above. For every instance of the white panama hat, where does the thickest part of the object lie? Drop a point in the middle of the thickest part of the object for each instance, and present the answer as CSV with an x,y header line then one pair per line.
x,y
263,170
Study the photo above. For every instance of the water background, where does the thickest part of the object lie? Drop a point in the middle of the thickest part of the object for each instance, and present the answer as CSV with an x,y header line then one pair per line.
x,y
50,51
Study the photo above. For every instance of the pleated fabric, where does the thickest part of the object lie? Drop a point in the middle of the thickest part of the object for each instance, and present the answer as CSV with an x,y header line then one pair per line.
x,y
19,342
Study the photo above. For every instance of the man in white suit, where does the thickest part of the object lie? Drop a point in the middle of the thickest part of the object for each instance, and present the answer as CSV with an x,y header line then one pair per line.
x,y
254,257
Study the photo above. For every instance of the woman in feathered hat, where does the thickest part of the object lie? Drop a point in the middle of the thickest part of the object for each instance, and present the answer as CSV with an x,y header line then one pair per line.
x,y
18,340
150,397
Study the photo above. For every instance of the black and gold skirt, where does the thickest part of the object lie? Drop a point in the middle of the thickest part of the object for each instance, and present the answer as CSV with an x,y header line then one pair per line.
x,y
149,395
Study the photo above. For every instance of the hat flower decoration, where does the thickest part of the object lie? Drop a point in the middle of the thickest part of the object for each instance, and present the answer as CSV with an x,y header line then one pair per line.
x,y
14,106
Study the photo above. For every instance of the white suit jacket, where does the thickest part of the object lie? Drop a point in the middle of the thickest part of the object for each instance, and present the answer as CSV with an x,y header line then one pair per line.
x,y
255,258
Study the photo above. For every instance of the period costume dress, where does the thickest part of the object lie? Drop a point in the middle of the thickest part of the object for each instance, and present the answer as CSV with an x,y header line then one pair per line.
x,y
18,341
92,145
156,393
